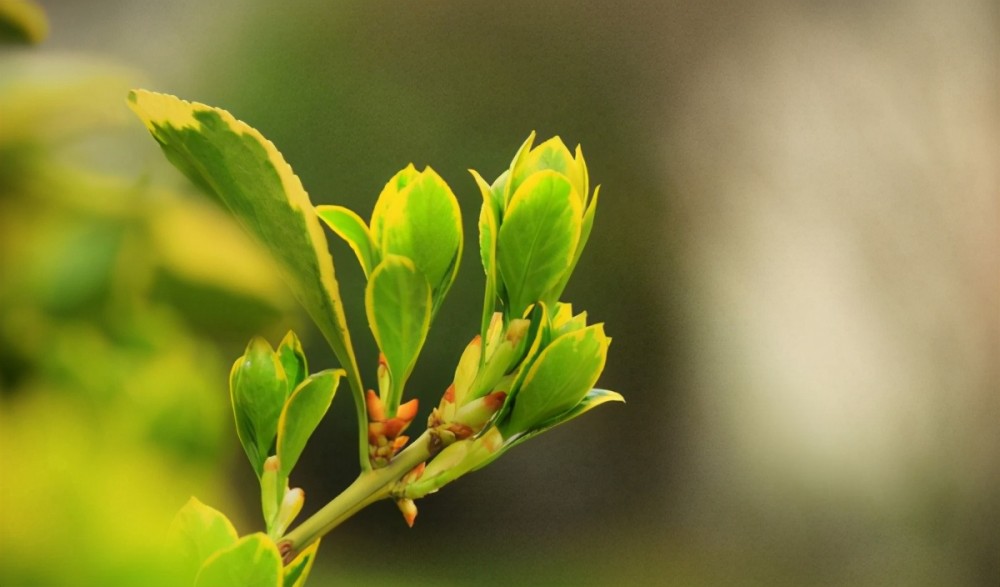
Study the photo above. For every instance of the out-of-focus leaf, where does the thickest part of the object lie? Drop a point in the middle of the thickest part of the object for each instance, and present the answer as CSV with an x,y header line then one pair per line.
x,y
258,388
538,238
302,413
252,562
297,571
244,170
23,21
559,378
398,304
352,228
197,533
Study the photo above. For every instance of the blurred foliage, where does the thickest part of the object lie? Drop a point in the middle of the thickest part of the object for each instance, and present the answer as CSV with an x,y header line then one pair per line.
x,y
22,21
112,391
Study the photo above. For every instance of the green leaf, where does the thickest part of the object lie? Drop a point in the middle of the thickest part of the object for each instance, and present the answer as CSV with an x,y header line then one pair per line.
x,y
246,172
398,304
258,388
538,239
293,361
197,532
389,197
301,415
507,178
252,562
585,228
594,398
560,377
551,155
488,227
350,227
424,224
23,20
297,571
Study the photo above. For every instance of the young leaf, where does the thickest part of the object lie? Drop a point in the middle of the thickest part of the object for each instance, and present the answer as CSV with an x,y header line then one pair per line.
x,y
424,224
538,238
293,360
560,377
252,562
350,227
550,155
398,304
488,227
388,198
585,228
594,398
246,172
197,532
258,388
302,413
297,571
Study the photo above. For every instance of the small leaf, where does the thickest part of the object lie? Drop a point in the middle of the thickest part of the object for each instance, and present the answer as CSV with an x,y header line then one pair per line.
x,y
252,562
258,388
245,171
297,571
538,239
197,532
352,228
586,227
488,227
594,398
301,415
424,224
560,377
398,304
551,155
388,198
518,161
293,360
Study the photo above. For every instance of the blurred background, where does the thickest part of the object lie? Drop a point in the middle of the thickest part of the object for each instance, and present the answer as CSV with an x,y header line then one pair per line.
x,y
797,254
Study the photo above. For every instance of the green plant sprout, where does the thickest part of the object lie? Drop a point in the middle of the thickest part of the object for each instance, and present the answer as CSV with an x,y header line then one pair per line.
x,y
532,366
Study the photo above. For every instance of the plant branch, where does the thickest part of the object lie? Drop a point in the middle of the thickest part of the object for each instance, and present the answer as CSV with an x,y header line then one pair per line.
x,y
369,487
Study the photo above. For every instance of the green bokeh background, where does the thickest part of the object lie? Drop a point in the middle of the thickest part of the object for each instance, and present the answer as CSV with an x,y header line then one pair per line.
x,y
796,255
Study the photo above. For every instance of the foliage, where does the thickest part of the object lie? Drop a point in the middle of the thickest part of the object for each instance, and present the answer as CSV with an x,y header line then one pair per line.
x,y
533,365
110,328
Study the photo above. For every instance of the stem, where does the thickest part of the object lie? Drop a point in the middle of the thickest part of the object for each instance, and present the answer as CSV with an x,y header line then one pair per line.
x,y
369,487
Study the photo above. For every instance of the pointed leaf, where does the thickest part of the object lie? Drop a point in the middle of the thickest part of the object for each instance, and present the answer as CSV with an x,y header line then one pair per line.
x,y
488,228
594,398
352,228
293,360
197,532
388,199
398,304
246,172
518,161
538,239
560,377
258,388
301,415
298,570
585,228
424,224
551,155
252,562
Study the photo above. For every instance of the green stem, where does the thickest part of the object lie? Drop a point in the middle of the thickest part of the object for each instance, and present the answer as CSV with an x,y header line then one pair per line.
x,y
369,487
